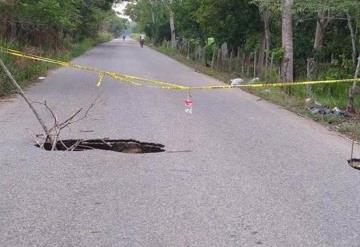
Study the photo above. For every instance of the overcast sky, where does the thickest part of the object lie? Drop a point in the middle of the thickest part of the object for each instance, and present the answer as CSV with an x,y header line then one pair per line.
x,y
119,8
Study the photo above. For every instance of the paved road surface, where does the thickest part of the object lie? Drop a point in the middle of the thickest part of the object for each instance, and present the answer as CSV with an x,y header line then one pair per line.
x,y
252,174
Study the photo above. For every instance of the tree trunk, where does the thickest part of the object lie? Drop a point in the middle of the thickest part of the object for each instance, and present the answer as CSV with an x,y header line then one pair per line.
x,y
243,64
218,60
255,62
319,36
266,20
13,32
287,41
231,60
352,90
353,34
213,57
172,29
310,68
322,22
262,51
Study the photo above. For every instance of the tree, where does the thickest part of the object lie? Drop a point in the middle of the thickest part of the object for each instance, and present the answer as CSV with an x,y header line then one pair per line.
x,y
327,11
266,10
172,27
231,21
287,41
49,22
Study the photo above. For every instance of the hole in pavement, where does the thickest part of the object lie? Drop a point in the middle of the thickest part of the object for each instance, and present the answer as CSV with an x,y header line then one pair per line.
x,y
123,146
354,163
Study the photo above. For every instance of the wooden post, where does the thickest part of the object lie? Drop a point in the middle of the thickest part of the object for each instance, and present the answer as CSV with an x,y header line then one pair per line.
x,y
204,56
231,60
237,64
218,58
243,64
271,63
213,57
188,50
310,66
224,55
248,66
255,53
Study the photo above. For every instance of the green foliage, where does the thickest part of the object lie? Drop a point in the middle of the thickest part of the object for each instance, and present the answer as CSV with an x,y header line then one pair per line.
x,y
53,22
152,18
278,54
231,21
114,25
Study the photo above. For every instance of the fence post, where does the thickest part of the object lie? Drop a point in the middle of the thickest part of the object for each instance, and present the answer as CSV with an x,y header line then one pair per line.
x,y
224,55
213,57
255,58
188,50
218,58
243,64
310,67
231,60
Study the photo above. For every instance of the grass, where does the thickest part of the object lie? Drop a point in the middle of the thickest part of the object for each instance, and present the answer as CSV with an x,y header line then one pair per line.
x,y
25,71
291,98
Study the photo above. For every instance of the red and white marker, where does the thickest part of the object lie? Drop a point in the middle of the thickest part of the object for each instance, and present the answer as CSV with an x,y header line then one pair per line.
x,y
188,105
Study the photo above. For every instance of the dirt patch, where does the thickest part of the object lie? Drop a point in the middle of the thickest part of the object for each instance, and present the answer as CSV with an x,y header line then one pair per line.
x,y
123,146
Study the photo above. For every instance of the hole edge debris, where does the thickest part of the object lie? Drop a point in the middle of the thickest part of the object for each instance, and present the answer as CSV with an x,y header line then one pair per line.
x,y
115,145
356,165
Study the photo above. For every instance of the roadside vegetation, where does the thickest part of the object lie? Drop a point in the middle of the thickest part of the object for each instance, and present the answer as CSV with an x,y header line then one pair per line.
x,y
273,40
52,28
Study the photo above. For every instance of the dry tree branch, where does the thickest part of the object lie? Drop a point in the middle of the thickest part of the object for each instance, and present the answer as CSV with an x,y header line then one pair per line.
x,y
53,115
52,135
57,127
106,143
35,138
75,145
22,94
68,121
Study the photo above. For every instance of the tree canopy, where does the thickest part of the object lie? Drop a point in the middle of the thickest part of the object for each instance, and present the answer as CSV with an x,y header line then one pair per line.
x,y
323,29
54,20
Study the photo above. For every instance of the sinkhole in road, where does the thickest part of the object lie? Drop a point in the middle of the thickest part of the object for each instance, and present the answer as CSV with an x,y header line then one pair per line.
x,y
354,163
123,146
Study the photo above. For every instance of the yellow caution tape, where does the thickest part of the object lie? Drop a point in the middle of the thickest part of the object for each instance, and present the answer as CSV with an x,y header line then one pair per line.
x,y
138,81
101,78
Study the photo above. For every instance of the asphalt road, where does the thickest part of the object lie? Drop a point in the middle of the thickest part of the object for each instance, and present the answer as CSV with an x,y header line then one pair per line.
x,y
238,172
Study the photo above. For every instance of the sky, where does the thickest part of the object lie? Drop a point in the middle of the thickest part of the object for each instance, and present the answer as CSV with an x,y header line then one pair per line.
x,y
119,8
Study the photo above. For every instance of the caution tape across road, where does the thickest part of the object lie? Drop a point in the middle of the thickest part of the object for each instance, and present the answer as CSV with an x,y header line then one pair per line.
x,y
139,81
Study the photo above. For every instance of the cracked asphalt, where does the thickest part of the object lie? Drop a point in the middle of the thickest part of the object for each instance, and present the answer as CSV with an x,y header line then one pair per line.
x,y
237,172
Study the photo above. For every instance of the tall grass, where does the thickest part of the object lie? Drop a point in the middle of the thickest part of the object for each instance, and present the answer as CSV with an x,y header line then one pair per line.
x,y
25,70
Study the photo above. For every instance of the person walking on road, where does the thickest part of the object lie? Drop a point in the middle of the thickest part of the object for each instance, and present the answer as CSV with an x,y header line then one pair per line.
x,y
142,40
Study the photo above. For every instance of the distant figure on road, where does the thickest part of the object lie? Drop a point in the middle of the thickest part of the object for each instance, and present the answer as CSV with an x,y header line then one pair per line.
x,y
142,40
124,37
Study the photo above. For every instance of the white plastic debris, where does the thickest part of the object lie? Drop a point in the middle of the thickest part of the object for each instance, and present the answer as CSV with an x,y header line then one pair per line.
x,y
42,78
236,82
253,80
